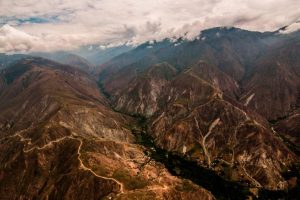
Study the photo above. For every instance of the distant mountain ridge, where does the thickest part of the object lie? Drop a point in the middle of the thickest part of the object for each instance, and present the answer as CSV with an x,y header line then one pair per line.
x,y
235,52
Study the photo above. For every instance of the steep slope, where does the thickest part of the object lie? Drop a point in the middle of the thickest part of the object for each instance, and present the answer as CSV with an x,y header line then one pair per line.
x,y
261,65
7,60
62,141
196,114
230,83
200,121
143,52
272,86
232,50
142,94
77,61
219,79
289,128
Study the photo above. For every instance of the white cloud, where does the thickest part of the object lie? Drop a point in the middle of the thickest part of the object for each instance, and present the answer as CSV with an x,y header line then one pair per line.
x,y
291,28
13,40
72,23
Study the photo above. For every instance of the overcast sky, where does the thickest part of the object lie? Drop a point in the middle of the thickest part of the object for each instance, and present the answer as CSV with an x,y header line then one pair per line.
x,y
50,25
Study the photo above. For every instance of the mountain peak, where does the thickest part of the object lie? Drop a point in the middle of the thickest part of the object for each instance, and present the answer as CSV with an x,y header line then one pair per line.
x,y
8,29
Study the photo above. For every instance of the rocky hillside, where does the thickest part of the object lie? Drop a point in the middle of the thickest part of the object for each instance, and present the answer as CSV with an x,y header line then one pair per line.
x,y
259,64
145,89
217,108
63,141
204,124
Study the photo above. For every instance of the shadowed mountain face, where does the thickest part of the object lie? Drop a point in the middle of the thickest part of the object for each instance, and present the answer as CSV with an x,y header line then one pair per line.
x,y
275,74
289,128
62,141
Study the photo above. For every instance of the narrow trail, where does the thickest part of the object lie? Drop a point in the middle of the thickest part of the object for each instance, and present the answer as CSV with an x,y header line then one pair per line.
x,y
47,145
201,176
89,169
247,117
256,183
82,166
22,139
18,134
224,161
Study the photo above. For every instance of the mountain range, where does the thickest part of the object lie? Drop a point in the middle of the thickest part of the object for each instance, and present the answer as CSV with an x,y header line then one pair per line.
x,y
216,117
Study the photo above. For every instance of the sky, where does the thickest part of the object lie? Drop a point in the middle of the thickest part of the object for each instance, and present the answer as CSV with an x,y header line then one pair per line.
x,y
53,25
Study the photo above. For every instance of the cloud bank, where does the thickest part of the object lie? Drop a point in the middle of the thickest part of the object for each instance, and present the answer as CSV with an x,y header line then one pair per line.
x,y
43,25
290,29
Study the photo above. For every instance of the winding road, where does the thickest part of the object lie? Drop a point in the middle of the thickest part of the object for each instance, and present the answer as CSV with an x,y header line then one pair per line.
x,y
82,166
